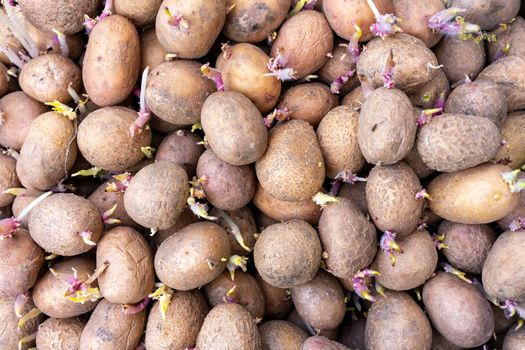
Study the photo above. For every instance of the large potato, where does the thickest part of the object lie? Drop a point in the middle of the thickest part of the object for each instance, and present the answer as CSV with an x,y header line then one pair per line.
x,y
460,57
511,131
488,13
59,334
140,12
414,17
281,335
11,334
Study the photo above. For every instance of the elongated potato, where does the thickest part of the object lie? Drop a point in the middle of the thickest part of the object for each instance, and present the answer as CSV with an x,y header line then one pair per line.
x,y
513,152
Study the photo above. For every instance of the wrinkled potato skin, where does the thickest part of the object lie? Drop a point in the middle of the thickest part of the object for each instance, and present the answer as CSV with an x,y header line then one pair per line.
x,y
458,310
140,12
338,65
8,179
473,196
112,61
278,302
181,148
304,39
512,36
245,221
488,13
460,57
152,54
48,148
10,334
59,334
512,132
281,335
414,15
514,340
104,201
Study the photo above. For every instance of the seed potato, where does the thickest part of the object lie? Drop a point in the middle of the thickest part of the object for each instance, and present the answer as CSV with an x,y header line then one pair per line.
x,y
181,148
460,57
59,334
278,302
10,334
511,130
141,12
281,335
244,221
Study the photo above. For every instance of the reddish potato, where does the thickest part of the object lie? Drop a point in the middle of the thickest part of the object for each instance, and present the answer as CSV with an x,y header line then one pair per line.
x,y
508,42
339,64
241,219
105,200
59,334
186,218
296,319
181,147
352,333
356,193
514,339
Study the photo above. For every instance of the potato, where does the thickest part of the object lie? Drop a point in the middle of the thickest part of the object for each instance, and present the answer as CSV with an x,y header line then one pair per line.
x,y
278,302
319,342
152,54
508,39
59,334
184,317
9,41
185,218
287,254
157,195
113,52
48,153
352,333
309,102
337,137
105,141
354,99
386,188
512,220
105,200
396,321
477,195
439,342
227,186
458,310
8,179
511,131
453,142
252,22
283,335
488,13
502,323
339,64
245,222
242,332
468,245
514,340
234,128
413,158
304,40
246,293
415,15
192,257
181,148
413,267
431,93
48,292
296,319
10,335
460,57
243,67
23,200
110,328
196,40
141,13
292,169
356,193
348,238
180,103
387,126
4,80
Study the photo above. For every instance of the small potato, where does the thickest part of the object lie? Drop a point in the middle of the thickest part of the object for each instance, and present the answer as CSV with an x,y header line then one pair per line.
x,y
181,148
11,334
356,193
304,40
431,93
488,13
48,153
152,54
287,254
340,63
413,158
112,61
514,339
21,202
8,179
477,195
242,220
59,334
185,218
157,195
460,57
509,41
296,319
48,292
105,141
234,128
4,80
242,332
192,257
278,302
243,67
397,322
468,245
184,317
415,15
227,186
283,335
512,130
354,99
292,169
105,200
205,19
319,342
110,328
458,310
352,333
141,12
309,102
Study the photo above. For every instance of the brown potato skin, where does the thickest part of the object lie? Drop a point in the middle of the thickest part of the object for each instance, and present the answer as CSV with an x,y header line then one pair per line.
x,y
234,128
185,218
354,99
251,22
338,65
59,334
181,148
278,303
152,54
296,319
512,36
157,195
104,201
356,193
4,80
415,16
201,34
110,328
48,292
514,216
181,266
10,334
21,201
141,12
428,95
468,245
287,254
184,318
320,342
228,187
49,147
245,221
439,342
304,40
281,335
397,322
460,57
458,310
352,333
514,340
473,196
488,13
413,158
105,141
8,179
511,130
113,52
242,334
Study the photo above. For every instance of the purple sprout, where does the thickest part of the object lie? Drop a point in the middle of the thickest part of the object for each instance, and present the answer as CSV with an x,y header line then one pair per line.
x,y
423,194
426,116
349,177
517,224
278,114
177,20
359,284
502,51
136,308
340,81
9,226
214,75
388,71
460,274
449,22
90,23
385,25
60,39
389,245
144,114
277,67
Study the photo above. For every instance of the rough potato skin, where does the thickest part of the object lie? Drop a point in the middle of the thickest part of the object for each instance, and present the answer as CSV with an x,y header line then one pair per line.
x,y
304,39
458,310
181,148
104,201
152,54
397,322
287,254
514,216
49,150
348,238
292,169
140,12
281,335
413,158
245,222
514,340
59,334
8,179
228,187
513,37
242,332
4,80
413,267
157,195
9,332
338,65
460,57
488,13
105,141
468,245
511,131
184,318
415,16
191,258
356,193
473,196
354,99
454,142
110,328
391,197
278,302
112,61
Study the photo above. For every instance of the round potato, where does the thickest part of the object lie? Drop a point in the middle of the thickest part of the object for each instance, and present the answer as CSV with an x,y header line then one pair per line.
x,y
278,302
152,54
415,17
242,220
8,179
59,334
352,333
508,42
105,200
181,147
514,339
413,158
281,335
11,334
339,63
460,58
513,152
141,13
488,13
185,218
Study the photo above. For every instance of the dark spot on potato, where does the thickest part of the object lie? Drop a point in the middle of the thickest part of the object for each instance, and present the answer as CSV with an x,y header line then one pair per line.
x,y
104,335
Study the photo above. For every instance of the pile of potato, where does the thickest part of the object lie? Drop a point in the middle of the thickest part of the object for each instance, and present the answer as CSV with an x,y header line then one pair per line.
x,y
262,174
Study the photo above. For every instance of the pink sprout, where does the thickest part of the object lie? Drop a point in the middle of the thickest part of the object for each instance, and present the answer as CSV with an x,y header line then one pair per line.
x,y
60,39
360,287
389,245
20,303
214,75
426,116
423,194
177,20
90,23
144,114
8,226
135,309
421,225
279,114
388,72
385,25
448,22
517,224
86,237
122,183
349,177
340,81
277,67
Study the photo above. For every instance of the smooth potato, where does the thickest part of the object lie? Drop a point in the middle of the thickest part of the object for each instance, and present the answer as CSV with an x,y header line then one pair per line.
x,y
511,130
281,335
278,302
140,12
105,200
8,179
414,18
339,63
185,218
460,58
508,39
152,54
320,342
181,147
